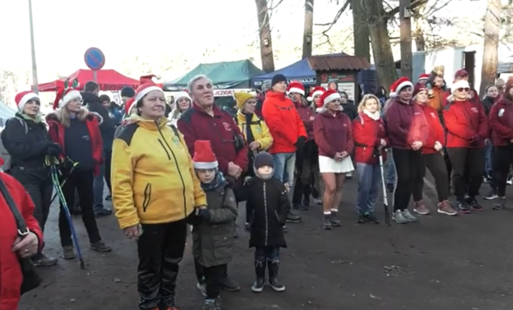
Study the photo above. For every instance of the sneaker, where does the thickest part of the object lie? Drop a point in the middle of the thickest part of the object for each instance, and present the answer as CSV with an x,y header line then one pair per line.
x,y
371,217
463,207
100,246
390,187
420,208
202,287
399,218
41,260
230,285
318,201
212,304
101,212
408,216
293,217
446,208
500,205
361,219
474,204
68,252
327,225
491,195
335,222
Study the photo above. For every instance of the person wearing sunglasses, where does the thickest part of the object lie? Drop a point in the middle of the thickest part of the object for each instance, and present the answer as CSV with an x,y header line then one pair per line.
x,y
467,129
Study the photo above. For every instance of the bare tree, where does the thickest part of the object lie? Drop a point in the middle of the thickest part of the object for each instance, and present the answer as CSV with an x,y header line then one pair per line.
x,y
308,29
406,48
491,44
264,29
360,30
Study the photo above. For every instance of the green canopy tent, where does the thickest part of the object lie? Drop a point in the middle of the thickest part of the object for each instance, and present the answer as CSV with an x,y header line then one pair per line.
x,y
224,75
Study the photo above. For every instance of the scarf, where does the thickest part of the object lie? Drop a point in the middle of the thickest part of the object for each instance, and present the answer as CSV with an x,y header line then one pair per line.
x,y
375,116
219,180
36,120
249,134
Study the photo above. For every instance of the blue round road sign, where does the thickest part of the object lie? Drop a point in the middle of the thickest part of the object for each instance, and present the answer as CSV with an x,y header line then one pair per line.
x,y
94,58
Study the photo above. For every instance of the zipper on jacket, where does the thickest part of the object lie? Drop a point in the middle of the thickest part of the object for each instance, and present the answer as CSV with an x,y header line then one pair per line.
x,y
177,168
165,150
147,197
265,214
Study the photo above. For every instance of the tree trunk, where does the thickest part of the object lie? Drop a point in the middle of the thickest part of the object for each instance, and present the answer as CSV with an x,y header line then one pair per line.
x,y
406,50
308,29
360,30
491,44
380,40
420,24
264,29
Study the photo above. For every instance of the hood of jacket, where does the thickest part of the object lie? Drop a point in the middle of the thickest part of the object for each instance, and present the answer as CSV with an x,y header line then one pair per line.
x,y
279,99
83,114
147,123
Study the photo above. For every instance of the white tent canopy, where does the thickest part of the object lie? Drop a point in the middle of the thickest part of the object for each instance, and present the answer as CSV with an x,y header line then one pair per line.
x,y
6,112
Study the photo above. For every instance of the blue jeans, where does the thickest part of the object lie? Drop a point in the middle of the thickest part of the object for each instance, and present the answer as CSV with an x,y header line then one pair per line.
x,y
488,159
390,168
369,180
270,253
284,167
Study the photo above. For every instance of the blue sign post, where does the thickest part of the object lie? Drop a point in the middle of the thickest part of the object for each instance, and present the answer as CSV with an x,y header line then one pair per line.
x,y
94,59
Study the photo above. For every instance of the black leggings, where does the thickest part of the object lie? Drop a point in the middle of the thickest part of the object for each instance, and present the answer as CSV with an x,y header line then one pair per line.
x,y
436,165
467,170
410,170
502,161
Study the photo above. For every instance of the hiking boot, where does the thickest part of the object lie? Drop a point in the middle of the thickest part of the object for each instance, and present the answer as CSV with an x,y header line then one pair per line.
x,y
275,284
472,202
212,304
361,219
259,284
420,208
491,195
462,206
500,205
335,222
202,287
101,212
327,225
446,208
230,285
399,218
293,217
371,217
390,187
68,252
41,260
100,246
408,216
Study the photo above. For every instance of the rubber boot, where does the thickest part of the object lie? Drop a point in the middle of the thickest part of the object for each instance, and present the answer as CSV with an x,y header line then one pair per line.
x,y
274,267
259,284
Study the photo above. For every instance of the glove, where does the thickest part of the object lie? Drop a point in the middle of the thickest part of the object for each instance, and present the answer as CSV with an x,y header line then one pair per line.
x,y
67,164
204,214
53,149
476,140
300,143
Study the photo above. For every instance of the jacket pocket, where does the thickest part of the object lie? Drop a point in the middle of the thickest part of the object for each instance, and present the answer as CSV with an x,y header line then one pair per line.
x,y
222,246
147,196
165,150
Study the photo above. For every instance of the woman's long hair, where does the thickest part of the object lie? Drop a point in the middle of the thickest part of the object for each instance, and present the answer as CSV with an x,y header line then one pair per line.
x,y
361,105
63,117
175,112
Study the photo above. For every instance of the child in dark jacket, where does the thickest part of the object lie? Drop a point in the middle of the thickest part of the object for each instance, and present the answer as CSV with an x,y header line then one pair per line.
x,y
268,207
212,234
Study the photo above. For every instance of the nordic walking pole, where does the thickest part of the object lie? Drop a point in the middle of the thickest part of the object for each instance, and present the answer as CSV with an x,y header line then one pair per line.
x,y
385,198
55,180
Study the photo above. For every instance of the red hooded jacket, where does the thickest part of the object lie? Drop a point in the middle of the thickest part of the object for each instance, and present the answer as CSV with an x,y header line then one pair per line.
x,y
10,273
406,124
436,131
333,133
501,122
367,133
284,122
466,124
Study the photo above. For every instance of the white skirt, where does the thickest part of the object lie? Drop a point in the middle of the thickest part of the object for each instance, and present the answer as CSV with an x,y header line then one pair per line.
x,y
329,165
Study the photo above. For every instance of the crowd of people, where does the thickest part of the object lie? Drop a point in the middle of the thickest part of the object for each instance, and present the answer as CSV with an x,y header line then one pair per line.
x,y
168,167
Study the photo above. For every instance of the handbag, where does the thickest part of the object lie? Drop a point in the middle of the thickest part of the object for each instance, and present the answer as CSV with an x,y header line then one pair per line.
x,y
31,278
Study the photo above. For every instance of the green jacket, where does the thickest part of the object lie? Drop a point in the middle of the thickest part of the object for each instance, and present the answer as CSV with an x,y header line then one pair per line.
x,y
212,242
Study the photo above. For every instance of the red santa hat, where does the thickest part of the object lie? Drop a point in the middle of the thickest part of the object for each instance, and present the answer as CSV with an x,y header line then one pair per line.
x,y
144,89
328,96
204,157
318,90
24,97
460,84
424,76
65,96
128,105
398,85
145,79
296,87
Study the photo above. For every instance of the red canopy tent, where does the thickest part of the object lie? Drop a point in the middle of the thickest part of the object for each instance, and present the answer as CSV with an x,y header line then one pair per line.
x,y
107,79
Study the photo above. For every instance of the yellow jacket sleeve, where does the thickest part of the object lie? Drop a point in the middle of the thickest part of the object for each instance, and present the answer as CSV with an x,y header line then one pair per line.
x,y
266,140
122,182
200,198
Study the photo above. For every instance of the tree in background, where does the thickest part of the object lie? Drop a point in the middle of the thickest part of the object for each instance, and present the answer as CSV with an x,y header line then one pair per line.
x,y
405,30
360,30
264,31
308,29
491,44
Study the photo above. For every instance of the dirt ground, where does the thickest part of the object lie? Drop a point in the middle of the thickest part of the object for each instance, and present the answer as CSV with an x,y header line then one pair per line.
x,y
441,262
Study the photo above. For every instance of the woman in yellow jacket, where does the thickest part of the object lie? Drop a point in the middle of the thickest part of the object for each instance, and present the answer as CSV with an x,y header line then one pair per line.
x,y
154,191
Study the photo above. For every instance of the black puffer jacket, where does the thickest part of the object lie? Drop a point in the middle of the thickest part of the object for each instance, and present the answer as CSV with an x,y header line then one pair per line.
x,y
487,104
26,149
350,110
107,125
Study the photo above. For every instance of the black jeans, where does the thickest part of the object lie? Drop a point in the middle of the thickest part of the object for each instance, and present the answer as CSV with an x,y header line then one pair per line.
x,y
108,163
160,249
82,182
436,165
214,277
304,168
502,159
467,171
410,169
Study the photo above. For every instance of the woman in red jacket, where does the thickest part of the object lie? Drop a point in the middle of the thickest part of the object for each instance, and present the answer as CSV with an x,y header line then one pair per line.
x,y
334,137
11,246
467,129
433,158
407,133
501,123
77,131
369,139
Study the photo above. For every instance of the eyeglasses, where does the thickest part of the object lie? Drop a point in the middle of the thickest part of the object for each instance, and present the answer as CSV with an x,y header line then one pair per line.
x,y
463,89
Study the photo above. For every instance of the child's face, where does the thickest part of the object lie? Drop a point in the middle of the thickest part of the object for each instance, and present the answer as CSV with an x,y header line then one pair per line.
x,y
206,176
265,172
371,105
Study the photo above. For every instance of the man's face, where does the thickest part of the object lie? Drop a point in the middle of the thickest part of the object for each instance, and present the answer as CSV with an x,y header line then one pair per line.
x,y
203,92
439,81
296,97
106,103
280,87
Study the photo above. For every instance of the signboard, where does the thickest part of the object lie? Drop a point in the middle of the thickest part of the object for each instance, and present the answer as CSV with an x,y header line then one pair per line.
x,y
229,92
94,58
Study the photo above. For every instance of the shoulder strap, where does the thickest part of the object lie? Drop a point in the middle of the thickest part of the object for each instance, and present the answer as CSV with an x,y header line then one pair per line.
x,y
20,222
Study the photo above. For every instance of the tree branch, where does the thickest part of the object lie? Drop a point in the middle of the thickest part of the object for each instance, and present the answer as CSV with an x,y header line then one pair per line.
x,y
337,16
415,3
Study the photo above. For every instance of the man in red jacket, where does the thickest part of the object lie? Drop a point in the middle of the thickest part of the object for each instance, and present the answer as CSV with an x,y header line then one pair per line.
x,y
467,129
205,121
288,132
